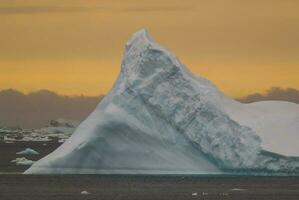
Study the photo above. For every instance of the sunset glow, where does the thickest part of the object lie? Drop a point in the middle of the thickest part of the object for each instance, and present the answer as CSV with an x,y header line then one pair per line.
x,y
76,48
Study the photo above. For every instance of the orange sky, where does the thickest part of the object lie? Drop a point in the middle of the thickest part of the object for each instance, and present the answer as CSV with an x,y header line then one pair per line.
x,y
75,46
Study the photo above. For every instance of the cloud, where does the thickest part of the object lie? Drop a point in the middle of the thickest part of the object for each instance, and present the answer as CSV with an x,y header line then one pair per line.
x,y
36,109
275,93
55,9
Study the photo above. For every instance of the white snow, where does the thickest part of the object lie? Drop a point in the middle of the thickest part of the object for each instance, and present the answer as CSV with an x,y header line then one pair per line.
x,y
28,151
276,122
160,118
22,161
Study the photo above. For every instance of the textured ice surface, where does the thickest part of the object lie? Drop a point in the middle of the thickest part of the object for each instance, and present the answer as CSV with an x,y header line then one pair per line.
x,y
159,118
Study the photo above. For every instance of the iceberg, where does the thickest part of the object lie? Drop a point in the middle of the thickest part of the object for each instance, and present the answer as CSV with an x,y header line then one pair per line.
x,y
159,118
22,161
28,151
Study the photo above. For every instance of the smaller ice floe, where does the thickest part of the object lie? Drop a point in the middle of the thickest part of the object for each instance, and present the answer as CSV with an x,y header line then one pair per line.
x,y
28,151
64,123
238,189
224,194
22,161
85,192
56,130
205,194
8,139
62,140
194,194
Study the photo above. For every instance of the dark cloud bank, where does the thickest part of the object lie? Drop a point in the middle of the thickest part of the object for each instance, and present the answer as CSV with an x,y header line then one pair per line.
x,y
36,109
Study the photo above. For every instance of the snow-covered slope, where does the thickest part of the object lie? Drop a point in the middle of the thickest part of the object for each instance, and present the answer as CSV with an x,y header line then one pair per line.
x,y
276,122
160,118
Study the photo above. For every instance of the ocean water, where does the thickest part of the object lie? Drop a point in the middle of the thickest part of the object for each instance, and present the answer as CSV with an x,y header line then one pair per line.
x,y
131,187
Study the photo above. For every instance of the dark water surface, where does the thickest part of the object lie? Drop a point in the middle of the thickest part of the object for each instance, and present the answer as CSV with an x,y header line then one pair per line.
x,y
107,187
8,153
102,187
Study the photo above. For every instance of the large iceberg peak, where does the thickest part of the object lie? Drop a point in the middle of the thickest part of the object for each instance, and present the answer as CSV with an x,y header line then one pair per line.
x,y
154,76
144,58
146,61
160,118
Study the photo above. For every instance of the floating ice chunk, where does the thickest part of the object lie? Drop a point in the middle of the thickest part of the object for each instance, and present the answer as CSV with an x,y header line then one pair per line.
x,y
85,192
205,194
9,142
238,189
61,140
28,151
224,194
22,161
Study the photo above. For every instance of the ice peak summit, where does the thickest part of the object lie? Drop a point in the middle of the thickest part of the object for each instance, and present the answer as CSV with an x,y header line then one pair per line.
x,y
139,38
144,58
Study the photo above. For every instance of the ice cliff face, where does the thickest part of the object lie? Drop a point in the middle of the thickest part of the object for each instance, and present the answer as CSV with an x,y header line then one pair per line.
x,y
159,118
